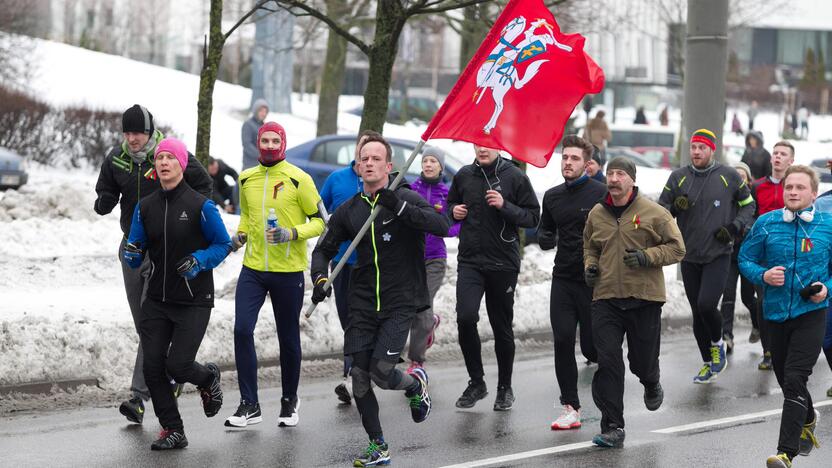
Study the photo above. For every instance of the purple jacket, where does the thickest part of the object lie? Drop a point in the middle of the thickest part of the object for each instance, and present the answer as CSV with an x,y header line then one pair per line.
x,y
435,194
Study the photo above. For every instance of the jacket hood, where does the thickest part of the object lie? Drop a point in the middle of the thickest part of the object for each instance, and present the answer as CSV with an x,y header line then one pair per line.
x,y
258,103
754,134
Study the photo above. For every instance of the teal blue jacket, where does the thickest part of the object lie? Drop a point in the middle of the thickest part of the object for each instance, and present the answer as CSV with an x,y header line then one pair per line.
x,y
803,248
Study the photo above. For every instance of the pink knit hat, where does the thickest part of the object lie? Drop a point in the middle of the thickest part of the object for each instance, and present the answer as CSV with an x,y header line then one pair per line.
x,y
174,147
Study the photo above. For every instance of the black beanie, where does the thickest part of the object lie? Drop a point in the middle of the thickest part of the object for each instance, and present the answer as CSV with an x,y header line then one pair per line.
x,y
596,155
137,119
624,164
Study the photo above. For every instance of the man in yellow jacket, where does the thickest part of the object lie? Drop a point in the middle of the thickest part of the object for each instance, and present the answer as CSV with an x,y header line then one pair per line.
x,y
274,261
627,241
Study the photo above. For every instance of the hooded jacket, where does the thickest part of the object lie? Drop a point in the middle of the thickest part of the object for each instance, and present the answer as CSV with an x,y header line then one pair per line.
x,y
758,159
251,153
389,272
436,194
122,181
339,187
489,238
803,248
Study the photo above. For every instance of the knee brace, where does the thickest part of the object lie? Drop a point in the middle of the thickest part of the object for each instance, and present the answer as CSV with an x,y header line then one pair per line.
x,y
360,382
383,375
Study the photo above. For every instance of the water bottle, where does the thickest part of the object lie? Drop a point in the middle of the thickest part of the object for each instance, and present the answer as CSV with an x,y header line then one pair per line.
x,y
271,221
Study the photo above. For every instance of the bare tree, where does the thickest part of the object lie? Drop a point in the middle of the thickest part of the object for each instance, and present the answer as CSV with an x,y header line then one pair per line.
x,y
18,18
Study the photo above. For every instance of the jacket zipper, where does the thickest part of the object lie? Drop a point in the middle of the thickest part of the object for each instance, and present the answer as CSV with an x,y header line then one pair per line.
x,y
188,285
375,254
791,284
265,219
165,269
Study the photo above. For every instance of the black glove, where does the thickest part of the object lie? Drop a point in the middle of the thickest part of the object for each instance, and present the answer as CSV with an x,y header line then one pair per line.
x,y
388,199
591,275
681,203
726,234
133,255
318,291
810,291
635,258
545,239
188,267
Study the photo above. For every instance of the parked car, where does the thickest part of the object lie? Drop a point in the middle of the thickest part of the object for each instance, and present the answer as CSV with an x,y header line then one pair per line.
x,y
12,170
637,158
661,156
821,167
324,155
418,108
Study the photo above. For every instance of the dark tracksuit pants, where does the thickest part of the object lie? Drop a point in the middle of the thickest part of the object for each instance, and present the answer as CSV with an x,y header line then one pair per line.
x,y
341,289
729,297
569,305
827,339
762,324
286,293
498,287
704,283
795,347
171,335
610,322
135,285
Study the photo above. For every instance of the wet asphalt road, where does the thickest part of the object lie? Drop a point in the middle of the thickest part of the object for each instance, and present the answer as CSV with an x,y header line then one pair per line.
x,y
330,434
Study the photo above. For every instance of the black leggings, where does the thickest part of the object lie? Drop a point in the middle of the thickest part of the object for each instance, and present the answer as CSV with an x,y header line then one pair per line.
x,y
366,369
703,285
729,296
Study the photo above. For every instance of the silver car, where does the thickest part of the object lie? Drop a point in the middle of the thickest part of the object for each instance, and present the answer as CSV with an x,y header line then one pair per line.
x,y
12,169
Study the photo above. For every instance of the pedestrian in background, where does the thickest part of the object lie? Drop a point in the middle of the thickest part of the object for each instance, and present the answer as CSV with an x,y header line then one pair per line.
x,y
251,152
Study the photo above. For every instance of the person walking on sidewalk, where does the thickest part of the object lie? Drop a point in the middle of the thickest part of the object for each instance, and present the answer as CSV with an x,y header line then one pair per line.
x,y
626,242
789,253
339,187
429,185
273,264
183,236
768,192
712,205
125,176
388,288
565,208
249,133
492,198
729,295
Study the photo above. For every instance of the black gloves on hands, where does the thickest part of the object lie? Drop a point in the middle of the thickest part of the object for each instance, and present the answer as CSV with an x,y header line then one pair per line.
x,y
318,291
635,258
238,240
546,239
681,203
591,275
388,199
810,291
726,234
188,267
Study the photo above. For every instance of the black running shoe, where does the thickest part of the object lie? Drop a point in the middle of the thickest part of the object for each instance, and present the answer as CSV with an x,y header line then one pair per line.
x,y
420,401
288,412
505,398
247,413
653,396
473,393
170,439
612,438
133,410
343,392
212,395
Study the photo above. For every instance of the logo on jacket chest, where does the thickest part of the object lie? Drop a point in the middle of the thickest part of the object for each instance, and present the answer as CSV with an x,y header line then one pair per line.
x,y
716,203
386,237
183,216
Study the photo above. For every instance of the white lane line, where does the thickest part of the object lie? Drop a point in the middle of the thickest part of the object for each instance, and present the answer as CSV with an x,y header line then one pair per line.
x,y
582,445
733,419
522,455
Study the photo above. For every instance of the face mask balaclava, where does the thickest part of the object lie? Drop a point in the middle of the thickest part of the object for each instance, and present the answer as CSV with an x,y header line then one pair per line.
x,y
272,157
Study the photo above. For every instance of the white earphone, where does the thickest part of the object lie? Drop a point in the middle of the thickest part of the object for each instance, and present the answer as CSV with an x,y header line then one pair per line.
x,y
806,216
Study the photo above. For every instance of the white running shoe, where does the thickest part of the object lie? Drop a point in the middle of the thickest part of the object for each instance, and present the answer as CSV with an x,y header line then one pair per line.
x,y
247,414
569,419
288,412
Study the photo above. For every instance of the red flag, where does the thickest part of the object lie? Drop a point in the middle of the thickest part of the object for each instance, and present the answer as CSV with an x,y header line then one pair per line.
x,y
521,86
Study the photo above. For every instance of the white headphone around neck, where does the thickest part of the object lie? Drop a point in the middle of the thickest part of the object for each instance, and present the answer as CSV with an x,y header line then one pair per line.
x,y
806,216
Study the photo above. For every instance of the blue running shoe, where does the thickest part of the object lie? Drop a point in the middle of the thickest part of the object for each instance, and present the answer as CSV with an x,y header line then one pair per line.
x,y
420,401
705,375
612,438
718,359
377,453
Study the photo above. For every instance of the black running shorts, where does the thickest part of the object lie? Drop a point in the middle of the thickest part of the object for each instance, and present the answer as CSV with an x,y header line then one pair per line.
x,y
384,333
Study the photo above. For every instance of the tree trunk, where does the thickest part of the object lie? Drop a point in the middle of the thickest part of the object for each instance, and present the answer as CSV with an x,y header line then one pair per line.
x,y
475,27
390,21
332,81
207,79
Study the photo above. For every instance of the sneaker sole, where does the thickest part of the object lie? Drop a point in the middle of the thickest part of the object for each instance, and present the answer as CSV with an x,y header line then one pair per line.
x,y
385,461
248,422
774,462
574,425
504,408
160,449
601,443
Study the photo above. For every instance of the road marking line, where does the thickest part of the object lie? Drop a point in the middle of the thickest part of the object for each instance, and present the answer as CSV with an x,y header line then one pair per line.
x,y
733,419
522,455
582,445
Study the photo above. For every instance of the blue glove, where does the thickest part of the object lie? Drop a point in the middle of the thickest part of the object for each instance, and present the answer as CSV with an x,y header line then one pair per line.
x,y
132,255
188,267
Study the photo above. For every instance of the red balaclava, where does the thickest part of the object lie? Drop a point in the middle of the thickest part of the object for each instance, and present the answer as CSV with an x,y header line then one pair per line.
x,y
269,157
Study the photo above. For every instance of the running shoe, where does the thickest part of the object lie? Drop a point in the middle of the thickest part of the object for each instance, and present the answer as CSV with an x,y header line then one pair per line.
x,y
212,395
288,412
765,364
246,414
377,453
432,335
808,441
570,418
754,336
705,375
613,438
170,439
473,393
415,365
343,391
505,398
420,400
653,396
718,359
133,410
781,460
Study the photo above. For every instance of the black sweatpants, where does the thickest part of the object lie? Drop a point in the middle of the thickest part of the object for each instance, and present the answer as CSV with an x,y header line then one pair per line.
x,y
498,287
569,305
610,322
762,323
703,286
341,288
795,347
171,335
729,297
